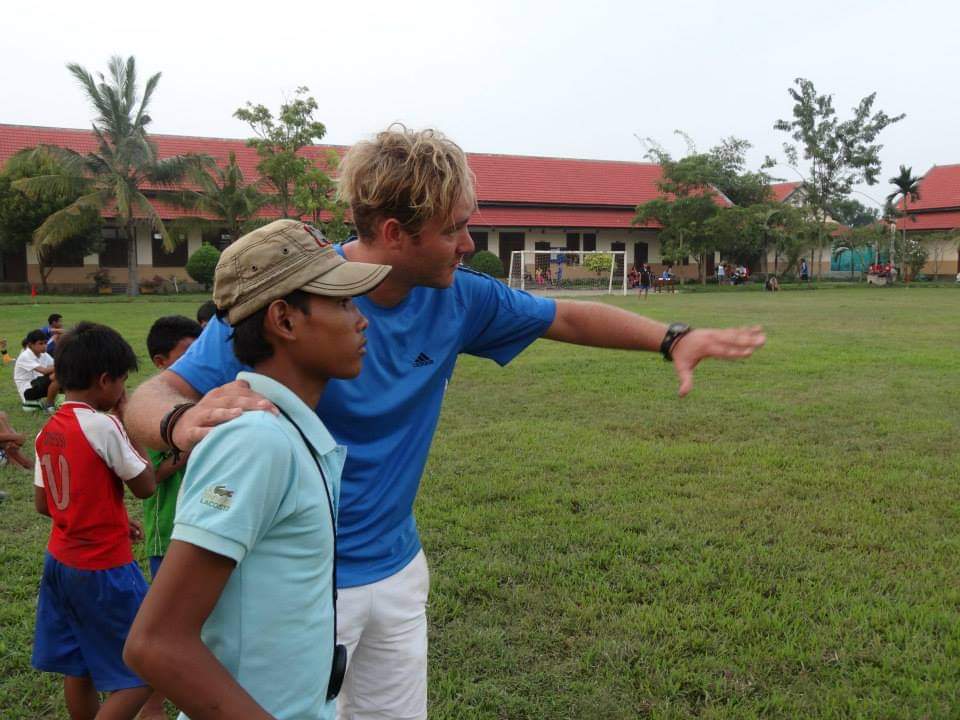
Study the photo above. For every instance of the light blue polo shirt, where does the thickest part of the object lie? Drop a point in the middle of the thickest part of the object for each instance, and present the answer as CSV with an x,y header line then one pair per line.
x,y
387,415
252,493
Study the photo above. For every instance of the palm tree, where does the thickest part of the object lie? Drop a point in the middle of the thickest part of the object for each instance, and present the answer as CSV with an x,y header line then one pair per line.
x,y
222,193
112,178
908,188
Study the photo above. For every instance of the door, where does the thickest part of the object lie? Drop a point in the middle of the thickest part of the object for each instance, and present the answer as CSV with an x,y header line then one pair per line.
x,y
641,254
542,261
509,241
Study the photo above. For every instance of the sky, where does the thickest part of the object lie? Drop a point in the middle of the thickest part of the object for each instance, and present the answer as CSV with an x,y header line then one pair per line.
x,y
568,79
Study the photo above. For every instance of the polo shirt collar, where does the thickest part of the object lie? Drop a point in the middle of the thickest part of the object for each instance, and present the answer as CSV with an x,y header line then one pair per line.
x,y
281,396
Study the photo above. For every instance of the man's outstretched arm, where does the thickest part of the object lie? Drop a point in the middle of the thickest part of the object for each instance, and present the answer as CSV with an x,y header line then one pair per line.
x,y
157,396
600,325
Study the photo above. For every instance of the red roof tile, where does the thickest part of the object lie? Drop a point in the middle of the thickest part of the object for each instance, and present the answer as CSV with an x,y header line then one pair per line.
x,y
781,191
939,188
943,220
555,217
609,190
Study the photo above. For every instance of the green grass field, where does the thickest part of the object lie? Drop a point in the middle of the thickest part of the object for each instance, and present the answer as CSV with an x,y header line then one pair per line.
x,y
785,542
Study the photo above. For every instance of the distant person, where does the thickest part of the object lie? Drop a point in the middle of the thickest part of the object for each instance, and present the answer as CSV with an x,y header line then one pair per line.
x,y
804,271
53,329
255,531
168,339
205,312
33,373
646,280
91,587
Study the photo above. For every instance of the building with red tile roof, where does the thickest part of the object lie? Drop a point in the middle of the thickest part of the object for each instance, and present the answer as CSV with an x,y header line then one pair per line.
x,y
523,202
937,210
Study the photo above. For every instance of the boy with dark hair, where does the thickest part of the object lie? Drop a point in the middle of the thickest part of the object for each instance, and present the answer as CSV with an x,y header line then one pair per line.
x,y
33,373
205,312
241,623
168,339
53,330
91,586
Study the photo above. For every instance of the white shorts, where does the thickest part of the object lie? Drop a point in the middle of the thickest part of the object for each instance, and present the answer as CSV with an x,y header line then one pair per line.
x,y
384,628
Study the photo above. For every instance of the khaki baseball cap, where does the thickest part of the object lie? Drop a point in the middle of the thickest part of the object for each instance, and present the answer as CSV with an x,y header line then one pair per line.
x,y
287,255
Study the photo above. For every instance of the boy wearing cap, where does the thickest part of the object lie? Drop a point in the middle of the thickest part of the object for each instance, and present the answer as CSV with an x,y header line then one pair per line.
x,y
241,622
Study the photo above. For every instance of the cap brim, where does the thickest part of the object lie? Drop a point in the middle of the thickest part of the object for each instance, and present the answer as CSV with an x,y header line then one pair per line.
x,y
348,279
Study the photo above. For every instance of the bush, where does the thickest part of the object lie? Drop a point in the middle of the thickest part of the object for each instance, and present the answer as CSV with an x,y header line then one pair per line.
x,y
487,262
202,263
599,264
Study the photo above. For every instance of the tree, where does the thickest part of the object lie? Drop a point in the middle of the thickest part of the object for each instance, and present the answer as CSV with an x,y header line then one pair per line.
x,y
278,140
853,213
20,216
841,153
223,193
731,177
688,203
315,195
908,188
112,178
913,256
202,264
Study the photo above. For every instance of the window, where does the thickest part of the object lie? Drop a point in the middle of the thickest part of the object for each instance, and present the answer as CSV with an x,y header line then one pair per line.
x,y
589,242
573,243
162,258
65,257
114,253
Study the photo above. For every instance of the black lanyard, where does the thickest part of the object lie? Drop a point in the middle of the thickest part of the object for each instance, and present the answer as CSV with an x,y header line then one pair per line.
x,y
338,666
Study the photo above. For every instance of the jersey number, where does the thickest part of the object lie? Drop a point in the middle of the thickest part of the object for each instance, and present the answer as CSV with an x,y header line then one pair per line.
x,y
59,490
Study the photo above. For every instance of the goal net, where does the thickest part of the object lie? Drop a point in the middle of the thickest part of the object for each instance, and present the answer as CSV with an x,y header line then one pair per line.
x,y
597,272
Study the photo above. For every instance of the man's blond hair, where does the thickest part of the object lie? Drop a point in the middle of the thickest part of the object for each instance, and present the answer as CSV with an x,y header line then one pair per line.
x,y
413,176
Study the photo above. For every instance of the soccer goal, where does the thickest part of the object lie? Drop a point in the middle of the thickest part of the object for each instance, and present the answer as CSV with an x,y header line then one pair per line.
x,y
597,272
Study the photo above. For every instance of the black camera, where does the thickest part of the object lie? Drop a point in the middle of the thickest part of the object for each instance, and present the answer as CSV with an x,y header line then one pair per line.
x,y
337,670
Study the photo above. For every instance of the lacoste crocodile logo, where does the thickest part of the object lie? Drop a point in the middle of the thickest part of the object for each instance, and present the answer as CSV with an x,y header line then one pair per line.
x,y
217,496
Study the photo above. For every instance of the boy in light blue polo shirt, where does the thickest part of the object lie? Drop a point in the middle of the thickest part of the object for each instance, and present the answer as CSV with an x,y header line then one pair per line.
x,y
241,623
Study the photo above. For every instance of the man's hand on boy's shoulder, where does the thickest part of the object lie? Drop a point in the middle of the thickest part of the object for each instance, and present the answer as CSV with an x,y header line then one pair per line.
x,y
215,408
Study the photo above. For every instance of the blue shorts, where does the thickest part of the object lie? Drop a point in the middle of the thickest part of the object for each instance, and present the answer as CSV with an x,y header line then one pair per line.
x,y
83,617
155,561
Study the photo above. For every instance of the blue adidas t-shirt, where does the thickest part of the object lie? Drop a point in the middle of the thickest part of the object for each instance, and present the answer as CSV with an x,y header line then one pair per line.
x,y
387,415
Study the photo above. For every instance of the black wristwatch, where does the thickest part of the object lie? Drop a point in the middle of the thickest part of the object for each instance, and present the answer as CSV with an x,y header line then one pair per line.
x,y
674,333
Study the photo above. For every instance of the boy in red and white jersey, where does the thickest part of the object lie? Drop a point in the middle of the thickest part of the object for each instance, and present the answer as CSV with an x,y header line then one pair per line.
x,y
91,587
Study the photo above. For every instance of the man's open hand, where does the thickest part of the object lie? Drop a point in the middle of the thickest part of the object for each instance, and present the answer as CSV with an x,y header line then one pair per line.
x,y
728,344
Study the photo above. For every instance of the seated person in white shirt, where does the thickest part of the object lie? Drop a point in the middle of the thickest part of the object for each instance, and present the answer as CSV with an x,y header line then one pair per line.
x,y
33,371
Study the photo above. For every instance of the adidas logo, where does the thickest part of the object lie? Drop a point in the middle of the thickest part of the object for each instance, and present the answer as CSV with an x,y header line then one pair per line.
x,y
422,360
